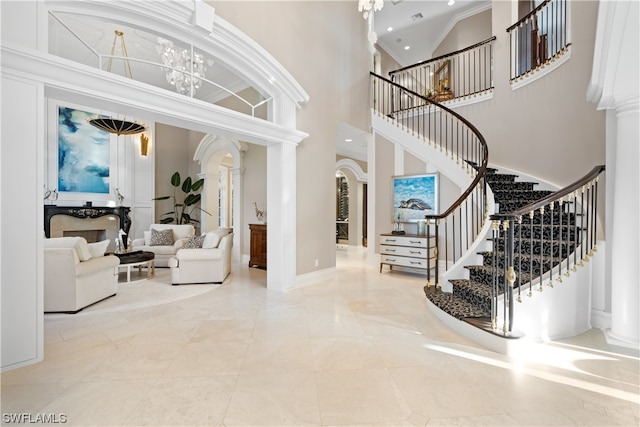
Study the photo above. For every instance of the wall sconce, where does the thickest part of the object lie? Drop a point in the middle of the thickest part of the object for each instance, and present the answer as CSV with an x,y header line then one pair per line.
x,y
144,145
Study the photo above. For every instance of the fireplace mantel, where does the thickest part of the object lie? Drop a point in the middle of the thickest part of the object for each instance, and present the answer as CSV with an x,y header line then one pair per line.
x,y
86,212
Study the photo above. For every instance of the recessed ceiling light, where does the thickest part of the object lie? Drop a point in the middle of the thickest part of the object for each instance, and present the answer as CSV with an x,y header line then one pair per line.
x,y
407,47
348,140
389,29
451,2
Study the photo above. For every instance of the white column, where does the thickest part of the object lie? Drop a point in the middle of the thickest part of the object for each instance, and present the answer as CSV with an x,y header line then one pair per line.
x,y
281,217
624,242
237,179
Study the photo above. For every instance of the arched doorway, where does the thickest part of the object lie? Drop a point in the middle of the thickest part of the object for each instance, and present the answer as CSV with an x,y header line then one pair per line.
x,y
351,203
221,165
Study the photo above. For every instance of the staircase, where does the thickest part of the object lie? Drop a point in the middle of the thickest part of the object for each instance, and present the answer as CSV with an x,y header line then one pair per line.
x,y
525,240
538,246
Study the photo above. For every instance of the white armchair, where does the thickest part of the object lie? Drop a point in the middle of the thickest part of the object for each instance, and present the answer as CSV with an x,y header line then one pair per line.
x,y
163,250
74,277
209,264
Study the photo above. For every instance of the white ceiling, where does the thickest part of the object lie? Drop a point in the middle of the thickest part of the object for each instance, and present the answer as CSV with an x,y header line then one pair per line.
x,y
423,35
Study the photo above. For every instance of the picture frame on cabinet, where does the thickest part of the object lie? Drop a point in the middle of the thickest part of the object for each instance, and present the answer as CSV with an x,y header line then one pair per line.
x,y
415,196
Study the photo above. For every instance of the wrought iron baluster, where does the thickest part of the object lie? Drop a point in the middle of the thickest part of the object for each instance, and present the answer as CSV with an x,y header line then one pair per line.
x,y
540,270
550,284
531,233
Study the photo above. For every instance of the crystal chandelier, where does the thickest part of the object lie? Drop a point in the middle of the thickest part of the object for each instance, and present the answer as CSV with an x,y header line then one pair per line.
x,y
183,68
366,6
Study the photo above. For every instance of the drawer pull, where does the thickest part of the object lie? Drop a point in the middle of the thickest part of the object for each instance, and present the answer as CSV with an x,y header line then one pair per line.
x,y
389,240
390,259
415,241
389,250
415,262
415,252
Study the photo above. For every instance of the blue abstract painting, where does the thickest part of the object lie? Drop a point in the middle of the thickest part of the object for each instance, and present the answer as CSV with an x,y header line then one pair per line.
x,y
414,197
83,153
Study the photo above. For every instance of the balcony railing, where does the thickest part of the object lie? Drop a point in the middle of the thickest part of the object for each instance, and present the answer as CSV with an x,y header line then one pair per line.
x,y
538,38
144,63
460,224
466,72
539,243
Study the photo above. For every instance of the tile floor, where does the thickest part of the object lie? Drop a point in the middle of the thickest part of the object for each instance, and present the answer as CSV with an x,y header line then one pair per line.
x,y
361,349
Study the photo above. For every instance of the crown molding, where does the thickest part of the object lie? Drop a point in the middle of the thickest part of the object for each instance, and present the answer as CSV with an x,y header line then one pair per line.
x,y
457,18
68,80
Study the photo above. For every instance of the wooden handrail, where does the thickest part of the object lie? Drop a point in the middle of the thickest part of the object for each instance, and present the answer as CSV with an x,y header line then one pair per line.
x,y
529,15
482,169
552,197
446,55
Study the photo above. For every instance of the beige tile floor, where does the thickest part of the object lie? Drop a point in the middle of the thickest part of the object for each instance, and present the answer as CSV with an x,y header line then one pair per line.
x,y
361,349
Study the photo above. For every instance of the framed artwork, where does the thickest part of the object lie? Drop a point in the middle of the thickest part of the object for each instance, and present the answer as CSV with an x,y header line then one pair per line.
x,y
84,153
415,196
441,77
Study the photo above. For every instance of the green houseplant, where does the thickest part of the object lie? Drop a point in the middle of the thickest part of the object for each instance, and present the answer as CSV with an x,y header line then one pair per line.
x,y
183,209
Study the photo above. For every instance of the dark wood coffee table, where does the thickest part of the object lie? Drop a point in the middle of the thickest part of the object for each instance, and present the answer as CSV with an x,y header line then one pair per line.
x,y
138,259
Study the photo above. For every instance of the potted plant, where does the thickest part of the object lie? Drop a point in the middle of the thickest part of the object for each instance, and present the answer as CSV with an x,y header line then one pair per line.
x,y
183,209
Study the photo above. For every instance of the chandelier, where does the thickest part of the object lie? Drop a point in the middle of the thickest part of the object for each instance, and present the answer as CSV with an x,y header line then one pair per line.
x,y
366,6
184,69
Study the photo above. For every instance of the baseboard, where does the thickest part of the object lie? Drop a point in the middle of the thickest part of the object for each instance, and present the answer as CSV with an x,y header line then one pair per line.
x,y
600,319
314,277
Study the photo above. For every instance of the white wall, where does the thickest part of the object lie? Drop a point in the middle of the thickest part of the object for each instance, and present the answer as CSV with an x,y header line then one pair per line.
x,y
255,190
323,45
21,223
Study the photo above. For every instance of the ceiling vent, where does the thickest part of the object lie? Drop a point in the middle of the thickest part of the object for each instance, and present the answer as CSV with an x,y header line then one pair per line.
x,y
395,2
417,16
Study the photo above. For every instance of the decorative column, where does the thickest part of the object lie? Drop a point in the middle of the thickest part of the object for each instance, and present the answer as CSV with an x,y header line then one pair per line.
x,y
624,233
614,87
237,179
281,216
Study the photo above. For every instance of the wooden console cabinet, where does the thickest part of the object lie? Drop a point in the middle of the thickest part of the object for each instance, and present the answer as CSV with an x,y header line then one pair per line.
x,y
258,246
408,250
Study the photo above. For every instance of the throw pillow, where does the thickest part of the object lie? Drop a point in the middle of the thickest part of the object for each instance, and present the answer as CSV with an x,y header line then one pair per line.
x,y
161,238
98,249
194,242
82,248
211,240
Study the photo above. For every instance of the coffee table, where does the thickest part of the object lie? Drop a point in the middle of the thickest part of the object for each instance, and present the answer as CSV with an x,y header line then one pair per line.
x,y
137,259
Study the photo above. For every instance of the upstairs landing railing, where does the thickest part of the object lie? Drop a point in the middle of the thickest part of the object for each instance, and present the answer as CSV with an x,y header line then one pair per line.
x,y
460,224
463,73
538,38
564,226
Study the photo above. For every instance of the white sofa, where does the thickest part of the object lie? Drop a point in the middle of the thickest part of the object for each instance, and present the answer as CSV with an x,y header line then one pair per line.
x,y
163,253
75,275
209,264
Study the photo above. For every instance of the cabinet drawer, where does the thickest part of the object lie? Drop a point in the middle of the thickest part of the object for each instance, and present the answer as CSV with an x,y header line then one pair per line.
x,y
406,251
405,241
405,261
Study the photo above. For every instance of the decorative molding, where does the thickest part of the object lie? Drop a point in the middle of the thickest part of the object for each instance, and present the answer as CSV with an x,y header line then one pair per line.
x,y
64,79
176,20
353,167
614,75
314,277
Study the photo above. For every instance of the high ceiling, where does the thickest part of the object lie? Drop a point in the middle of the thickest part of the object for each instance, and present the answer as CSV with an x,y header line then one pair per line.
x,y
419,24
422,35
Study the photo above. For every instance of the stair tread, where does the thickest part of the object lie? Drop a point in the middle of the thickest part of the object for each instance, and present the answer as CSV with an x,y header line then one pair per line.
x,y
454,305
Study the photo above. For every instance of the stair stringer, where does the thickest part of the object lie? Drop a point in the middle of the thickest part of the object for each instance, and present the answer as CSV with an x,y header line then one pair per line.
x,y
456,170
557,312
